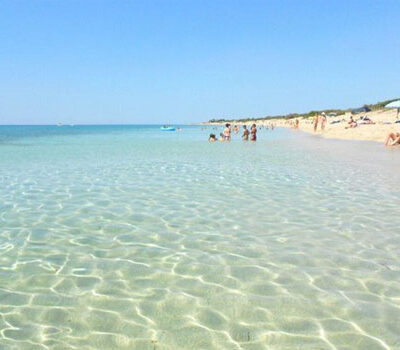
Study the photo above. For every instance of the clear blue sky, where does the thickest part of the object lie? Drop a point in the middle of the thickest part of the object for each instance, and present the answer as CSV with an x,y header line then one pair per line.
x,y
120,61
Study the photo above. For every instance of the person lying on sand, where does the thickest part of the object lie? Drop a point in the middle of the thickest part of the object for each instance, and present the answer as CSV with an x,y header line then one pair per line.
x,y
351,124
392,139
365,120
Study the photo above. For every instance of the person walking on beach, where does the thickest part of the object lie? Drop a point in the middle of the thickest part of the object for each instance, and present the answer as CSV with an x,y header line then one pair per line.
x,y
227,132
253,133
323,121
245,136
315,122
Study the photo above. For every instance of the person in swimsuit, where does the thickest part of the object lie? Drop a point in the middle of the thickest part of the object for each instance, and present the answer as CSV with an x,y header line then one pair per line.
x,y
245,136
351,124
392,139
315,122
227,132
221,137
323,121
236,129
253,133
212,138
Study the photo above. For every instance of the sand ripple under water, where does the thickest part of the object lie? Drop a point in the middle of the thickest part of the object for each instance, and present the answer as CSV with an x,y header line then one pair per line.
x,y
112,240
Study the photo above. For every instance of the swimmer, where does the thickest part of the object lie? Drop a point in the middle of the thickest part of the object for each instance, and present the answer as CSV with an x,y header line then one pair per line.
x,y
212,138
227,132
245,136
253,133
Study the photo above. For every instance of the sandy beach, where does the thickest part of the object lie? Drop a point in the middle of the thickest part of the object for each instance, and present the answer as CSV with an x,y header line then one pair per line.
x,y
384,123
335,128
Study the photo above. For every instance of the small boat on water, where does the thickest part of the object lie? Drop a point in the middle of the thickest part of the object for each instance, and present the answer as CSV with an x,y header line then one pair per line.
x,y
167,128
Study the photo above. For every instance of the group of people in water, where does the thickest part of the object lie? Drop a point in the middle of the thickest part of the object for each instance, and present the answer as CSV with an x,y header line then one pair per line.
x,y
226,134
250,134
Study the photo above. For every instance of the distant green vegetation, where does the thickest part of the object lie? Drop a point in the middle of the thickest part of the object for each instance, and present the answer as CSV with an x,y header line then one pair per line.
x,y
373,107
380,105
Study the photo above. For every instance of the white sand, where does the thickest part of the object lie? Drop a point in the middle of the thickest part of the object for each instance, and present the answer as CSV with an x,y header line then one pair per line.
x,y
371,132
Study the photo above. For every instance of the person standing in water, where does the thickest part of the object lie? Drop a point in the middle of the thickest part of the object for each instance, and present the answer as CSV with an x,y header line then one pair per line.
x,y
245,136
236,129
227,132
253,133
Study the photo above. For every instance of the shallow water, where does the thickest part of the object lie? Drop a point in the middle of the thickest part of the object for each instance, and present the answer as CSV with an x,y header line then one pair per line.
x,y
132,238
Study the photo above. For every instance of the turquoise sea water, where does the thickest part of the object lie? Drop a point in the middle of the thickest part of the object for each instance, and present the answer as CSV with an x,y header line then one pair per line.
x,y
126,237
